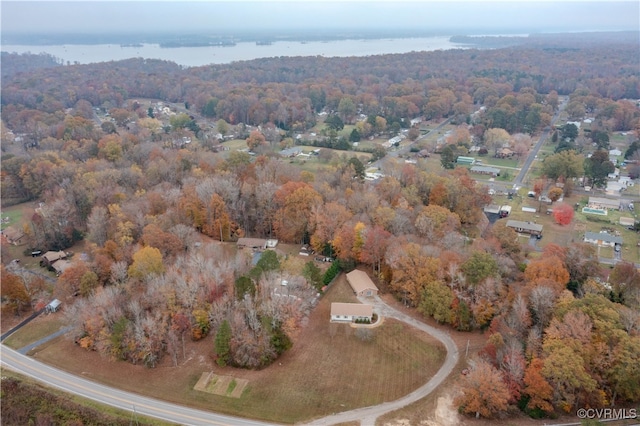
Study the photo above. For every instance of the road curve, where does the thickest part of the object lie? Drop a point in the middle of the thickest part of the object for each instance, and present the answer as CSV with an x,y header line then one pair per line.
x,y
368,415
169,412
128,401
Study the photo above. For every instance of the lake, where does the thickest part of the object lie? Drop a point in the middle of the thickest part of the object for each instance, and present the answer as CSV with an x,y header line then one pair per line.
x,y
198,56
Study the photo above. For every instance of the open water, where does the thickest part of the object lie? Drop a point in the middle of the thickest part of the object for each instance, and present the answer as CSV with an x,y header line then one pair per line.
x,y
198,56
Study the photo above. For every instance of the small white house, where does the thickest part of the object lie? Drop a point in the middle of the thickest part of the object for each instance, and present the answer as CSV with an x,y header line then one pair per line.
x,y
350,312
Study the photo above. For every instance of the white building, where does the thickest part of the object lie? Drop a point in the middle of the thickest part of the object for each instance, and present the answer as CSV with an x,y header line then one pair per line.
x,y
350,312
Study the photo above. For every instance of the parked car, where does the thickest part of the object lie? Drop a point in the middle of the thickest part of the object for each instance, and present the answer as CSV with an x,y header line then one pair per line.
x,y
323,259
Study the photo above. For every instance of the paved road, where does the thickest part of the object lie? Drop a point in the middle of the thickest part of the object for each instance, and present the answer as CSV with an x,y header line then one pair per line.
x,y
534,152
368,415
26,349
116,398
22,324
146,406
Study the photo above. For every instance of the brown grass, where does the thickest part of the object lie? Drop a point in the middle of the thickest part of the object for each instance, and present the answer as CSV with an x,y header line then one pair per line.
x,y
42,326
320,375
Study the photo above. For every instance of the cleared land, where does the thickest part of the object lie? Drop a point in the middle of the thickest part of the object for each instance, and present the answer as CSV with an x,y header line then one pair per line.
x,y
329,369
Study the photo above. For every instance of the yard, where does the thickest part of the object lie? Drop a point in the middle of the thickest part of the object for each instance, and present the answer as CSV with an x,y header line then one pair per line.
x,y
329,369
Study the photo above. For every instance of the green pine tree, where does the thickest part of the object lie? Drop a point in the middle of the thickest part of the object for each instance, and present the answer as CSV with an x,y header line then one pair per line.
x,y
223,343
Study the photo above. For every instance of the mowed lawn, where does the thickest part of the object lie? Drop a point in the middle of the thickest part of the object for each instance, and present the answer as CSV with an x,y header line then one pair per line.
x,y
329,369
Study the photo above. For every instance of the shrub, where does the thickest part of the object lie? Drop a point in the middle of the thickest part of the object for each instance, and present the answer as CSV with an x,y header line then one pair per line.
x,y
331,273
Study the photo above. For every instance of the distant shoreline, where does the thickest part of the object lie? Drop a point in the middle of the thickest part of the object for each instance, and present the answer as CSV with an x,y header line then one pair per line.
x,y
203,39
190,52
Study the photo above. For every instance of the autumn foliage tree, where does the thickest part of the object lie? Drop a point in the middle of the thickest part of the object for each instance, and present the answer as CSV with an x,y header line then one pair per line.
x,y
563,213
255,140
14,292
483,392
146,262
538,391
412,271
293,218
548,269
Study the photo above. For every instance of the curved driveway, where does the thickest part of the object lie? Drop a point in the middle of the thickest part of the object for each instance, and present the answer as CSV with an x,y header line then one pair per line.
x,y
368,415
188,416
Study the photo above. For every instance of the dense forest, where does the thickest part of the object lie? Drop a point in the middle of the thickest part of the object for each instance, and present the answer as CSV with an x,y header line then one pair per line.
x,y
141,198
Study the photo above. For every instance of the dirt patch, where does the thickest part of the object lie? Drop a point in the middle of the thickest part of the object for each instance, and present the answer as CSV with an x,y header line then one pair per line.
x,y
221,385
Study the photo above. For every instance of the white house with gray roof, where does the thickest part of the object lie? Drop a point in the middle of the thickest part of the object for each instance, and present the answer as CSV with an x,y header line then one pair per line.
x,y
602,239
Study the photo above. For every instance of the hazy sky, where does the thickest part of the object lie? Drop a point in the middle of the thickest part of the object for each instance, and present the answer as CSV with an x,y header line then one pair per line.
x,y
226,16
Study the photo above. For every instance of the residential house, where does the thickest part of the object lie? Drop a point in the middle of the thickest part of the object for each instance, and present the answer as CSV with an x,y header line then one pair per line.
x,y
252,243
485,170
504,153
291,152
604,203
525,227
492,208
350,312
361,284
60,266
394,141
602,239
13,236
50,257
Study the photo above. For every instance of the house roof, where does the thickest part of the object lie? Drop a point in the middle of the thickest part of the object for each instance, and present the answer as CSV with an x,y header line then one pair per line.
x,y
604,202
492,208
12,233
294,150
602,236
357,309
252,242
627,221
61,265
52,256
485,169
360,281
524,225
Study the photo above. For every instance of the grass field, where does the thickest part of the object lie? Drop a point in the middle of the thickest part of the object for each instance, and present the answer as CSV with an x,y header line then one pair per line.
x,y
40,327
499,162
11,216
235,144
329,369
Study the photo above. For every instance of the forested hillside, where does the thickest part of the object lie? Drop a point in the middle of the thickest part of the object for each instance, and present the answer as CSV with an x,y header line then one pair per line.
x,y
142,186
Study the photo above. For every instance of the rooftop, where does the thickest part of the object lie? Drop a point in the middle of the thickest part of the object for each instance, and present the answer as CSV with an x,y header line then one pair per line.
x,y
360,281
357,309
